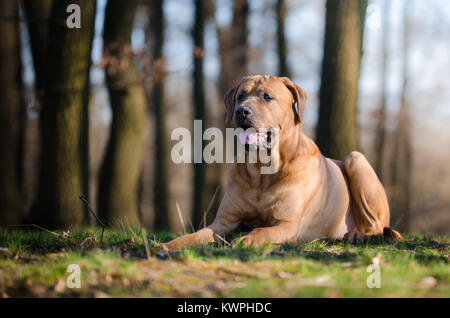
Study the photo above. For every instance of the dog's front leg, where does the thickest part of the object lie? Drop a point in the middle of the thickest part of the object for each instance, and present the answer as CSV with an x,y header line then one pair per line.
x,y
202,236
278,234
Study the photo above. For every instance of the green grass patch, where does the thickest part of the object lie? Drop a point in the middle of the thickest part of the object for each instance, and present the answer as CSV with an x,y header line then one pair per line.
x,y
33,263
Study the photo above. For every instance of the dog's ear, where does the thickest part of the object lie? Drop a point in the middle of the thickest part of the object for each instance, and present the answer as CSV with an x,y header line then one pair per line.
x,y
229,100
300,98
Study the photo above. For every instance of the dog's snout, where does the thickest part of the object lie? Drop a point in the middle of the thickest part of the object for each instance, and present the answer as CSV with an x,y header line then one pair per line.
x,y
243,112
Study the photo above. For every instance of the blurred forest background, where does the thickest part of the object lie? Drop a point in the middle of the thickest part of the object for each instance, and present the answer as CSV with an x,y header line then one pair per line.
x,y
90,111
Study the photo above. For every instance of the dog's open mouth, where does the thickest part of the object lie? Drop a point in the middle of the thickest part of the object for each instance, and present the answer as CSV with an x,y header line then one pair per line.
x,y
260,138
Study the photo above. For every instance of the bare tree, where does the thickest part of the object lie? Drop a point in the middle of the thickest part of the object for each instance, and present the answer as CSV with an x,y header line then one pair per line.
x,y
10,66
199,191
161,169
117,190
64,157
380,133
234,54
337,132
283,69
37,14
234,48
402,156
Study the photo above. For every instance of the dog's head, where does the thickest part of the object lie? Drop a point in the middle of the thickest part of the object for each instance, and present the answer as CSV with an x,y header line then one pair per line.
x,y
264,102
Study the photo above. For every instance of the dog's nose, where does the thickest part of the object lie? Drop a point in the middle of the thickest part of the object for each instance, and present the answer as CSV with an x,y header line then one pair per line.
x,y
243,112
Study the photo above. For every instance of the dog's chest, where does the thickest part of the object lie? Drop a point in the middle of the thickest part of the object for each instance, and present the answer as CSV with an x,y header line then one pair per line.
x,y
265,207
264,200
260,216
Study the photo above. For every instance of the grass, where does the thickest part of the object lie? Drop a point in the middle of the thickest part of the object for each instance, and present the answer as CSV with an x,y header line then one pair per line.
x,y
33,263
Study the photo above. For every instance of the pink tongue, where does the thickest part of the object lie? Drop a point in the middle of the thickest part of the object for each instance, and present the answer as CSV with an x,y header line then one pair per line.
x,y
250,137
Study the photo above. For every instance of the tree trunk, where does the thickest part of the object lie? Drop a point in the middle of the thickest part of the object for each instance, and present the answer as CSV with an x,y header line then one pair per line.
x,y
379,143
199,191
234,50
10,66
64,157
337,131
402,157
117,192
37,14
161,174
234,57
22,132
280,9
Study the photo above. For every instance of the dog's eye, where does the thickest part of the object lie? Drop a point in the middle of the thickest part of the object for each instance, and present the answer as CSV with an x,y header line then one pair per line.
x,y
267,97
240,97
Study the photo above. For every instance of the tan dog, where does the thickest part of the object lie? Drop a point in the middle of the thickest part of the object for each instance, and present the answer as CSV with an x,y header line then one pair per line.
x,y
309,196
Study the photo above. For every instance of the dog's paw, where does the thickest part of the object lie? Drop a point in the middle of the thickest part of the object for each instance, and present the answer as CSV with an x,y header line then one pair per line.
x,y
176,244
243,241
248,240
165,247
355,237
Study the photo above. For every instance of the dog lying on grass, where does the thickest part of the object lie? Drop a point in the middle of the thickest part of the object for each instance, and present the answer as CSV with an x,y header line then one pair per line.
x,y
309,196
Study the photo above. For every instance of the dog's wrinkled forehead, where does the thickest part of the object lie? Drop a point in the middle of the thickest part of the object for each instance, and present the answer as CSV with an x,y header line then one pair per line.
x,y
259,84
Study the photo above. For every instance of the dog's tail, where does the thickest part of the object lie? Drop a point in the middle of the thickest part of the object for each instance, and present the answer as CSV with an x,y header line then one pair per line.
x,y
391,234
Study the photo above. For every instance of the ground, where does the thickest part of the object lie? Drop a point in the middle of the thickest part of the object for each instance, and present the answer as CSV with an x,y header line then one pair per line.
x,y
34,263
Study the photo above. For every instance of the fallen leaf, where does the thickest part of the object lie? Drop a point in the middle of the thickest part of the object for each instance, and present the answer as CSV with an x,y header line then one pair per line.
x,y
427,282
39,291
284,275
60,286
100,294
323,280
108,280
376,259
56,255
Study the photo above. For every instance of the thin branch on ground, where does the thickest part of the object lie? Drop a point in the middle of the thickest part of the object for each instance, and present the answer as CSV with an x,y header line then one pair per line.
x,y
36,226
181,217
191,225
84,199
205,214
222,239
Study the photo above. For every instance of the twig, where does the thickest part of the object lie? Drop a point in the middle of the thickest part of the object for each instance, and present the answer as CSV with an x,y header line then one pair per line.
x,y
122,226
84,199
191,225
398,220
181,217
205,214
36,226
131,230
147,249
223,240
